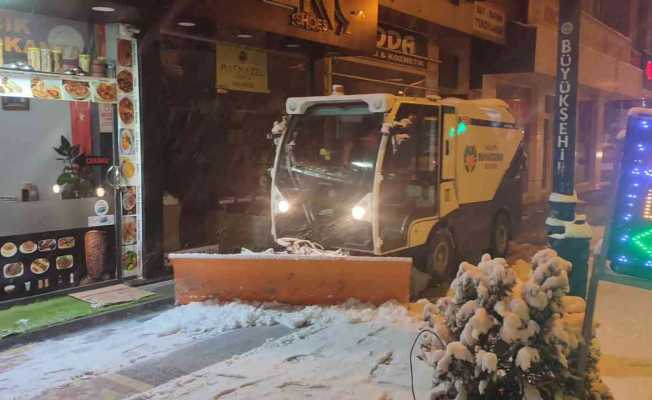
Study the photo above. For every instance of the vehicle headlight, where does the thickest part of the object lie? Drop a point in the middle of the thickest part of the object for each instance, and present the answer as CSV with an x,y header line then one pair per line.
x,y
280,205
283,206
358,212
361,211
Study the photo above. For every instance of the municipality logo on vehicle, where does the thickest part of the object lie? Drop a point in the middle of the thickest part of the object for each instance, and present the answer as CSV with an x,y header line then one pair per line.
x,y
470,158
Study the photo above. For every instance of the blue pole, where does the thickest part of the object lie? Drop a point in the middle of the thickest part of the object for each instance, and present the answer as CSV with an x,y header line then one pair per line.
x,y
568,233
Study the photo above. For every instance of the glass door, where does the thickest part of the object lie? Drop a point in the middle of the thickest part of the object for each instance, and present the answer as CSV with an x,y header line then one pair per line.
x,y
410,173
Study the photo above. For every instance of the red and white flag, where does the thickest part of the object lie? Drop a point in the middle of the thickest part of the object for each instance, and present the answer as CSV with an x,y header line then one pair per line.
x,y
80,117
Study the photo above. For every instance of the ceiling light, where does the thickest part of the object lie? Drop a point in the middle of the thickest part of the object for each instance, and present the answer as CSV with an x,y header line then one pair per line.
x,y
186,23
103,9
244,35
292,45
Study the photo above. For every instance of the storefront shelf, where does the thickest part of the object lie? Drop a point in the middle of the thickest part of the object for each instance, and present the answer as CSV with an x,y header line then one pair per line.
x,y
53,75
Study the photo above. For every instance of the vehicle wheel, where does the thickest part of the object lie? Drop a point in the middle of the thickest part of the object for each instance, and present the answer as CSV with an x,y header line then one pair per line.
x,y
500,235
441,257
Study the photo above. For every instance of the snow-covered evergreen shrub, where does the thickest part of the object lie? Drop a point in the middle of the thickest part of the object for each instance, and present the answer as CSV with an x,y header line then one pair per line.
x,y
507,339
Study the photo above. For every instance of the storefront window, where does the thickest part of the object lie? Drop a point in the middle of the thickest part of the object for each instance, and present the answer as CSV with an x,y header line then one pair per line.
x,y
70,184
218,136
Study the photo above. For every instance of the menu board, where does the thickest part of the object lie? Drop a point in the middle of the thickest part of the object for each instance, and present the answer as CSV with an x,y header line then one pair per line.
x,y
42,262
130,156
57,87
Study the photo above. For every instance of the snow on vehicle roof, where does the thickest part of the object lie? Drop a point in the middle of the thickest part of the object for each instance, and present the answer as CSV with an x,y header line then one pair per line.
x,y
492,109
379,102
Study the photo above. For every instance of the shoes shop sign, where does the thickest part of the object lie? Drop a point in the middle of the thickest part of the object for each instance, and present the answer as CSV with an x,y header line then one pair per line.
x,y
489,21
341,24
401,47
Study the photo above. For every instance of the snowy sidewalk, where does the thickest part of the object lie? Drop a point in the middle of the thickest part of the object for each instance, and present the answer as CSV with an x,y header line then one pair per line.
x,y
115,347
347,352
143,376
625,334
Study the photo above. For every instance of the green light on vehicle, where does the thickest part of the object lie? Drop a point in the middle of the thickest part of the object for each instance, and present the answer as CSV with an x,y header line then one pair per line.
x,y
461,128
451,132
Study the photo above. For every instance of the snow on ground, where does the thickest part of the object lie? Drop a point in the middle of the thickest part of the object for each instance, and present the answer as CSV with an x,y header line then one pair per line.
x,y
625,334
330,342
120,344
346,352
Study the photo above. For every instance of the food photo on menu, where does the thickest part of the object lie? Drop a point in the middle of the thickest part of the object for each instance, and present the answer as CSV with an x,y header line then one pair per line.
x,y
77,90
28,247
8,249
126,110
125,81
126,141
64,262
129,230
104,92
40,266
49,89
67,242
125,57
128,169
129,259
129,200
13,270
10,86
47,245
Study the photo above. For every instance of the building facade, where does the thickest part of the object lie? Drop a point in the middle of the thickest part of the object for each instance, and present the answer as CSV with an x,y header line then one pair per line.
x,y
611,79
426,47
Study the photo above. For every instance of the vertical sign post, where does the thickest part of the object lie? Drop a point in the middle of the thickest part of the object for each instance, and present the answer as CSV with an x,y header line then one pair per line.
x,y
568,233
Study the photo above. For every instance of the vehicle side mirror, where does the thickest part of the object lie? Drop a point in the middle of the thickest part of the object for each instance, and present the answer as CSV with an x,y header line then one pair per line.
x,y
278,130
395,127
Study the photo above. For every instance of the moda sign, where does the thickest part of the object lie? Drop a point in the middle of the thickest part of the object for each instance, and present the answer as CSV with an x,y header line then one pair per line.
x,y
566,98
401,47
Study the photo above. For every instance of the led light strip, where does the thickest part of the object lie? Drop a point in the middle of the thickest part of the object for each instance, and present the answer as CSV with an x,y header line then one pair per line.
x,y
647,208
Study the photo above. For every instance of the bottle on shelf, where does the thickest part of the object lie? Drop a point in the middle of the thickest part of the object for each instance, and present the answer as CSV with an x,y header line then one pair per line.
x,y
34,58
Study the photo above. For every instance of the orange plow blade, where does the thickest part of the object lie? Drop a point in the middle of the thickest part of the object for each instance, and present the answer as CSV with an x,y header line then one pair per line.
x,y
290,279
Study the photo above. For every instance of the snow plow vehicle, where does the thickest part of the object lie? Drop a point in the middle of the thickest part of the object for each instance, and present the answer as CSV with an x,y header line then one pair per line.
x,y
425,179
378,174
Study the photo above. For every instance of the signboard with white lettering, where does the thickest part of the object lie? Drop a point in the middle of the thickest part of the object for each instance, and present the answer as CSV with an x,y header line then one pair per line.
x,y
566,99
401,47
489,21
241,69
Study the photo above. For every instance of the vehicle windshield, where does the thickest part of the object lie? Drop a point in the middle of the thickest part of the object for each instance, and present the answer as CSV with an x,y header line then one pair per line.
x,y
336,143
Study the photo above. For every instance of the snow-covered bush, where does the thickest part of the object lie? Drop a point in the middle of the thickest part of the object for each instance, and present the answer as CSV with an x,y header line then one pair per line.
x,y
509,339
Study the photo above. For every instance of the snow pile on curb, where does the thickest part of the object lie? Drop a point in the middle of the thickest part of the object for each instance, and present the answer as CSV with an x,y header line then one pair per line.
x,y
201,318
501,337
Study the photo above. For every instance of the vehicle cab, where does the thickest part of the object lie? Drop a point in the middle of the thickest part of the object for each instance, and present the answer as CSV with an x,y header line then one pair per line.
x,y
376,173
